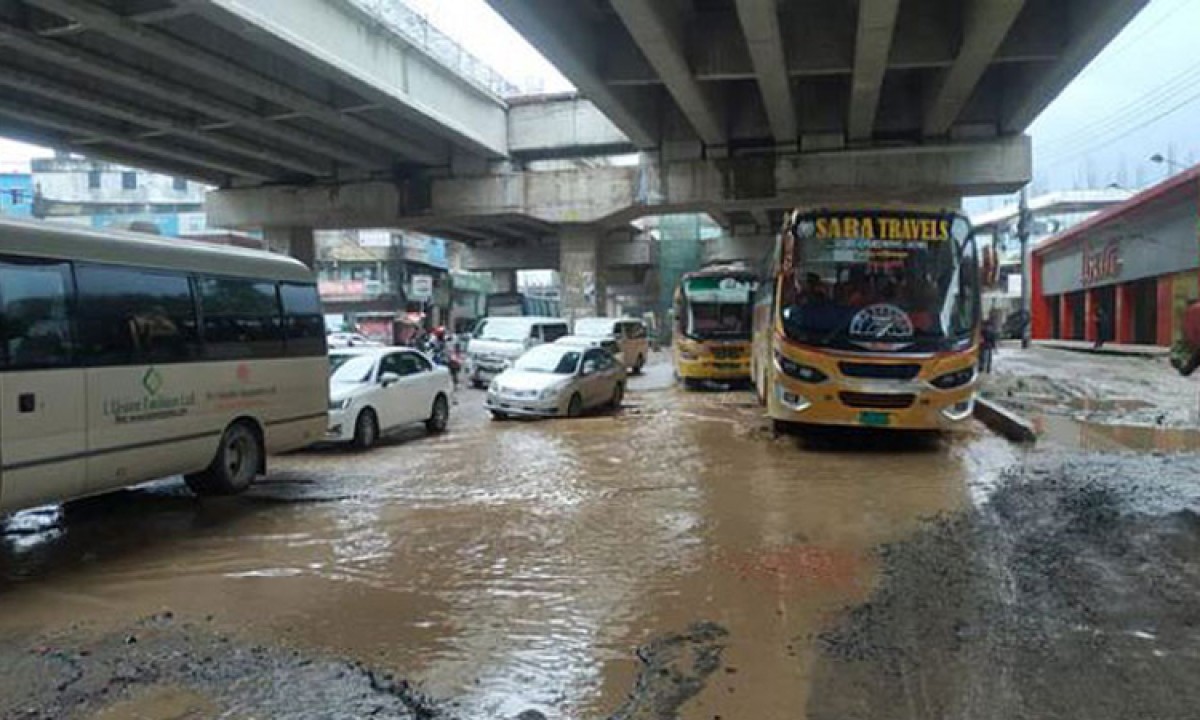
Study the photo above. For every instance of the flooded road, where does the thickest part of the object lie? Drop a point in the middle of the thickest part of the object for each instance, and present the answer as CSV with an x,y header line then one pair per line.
x,y
672,560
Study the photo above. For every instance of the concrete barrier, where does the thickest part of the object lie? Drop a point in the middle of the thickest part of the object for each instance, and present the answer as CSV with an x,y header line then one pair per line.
x,y
1004,422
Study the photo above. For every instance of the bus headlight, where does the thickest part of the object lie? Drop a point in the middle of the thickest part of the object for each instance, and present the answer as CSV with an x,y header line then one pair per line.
x,y
955,379
688,355
803,373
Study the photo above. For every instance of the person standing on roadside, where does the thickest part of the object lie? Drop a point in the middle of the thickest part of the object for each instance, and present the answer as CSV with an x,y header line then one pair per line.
x,y
1101,320
987,349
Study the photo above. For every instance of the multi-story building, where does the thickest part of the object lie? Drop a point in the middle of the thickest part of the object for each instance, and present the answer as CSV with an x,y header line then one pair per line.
x,y
100,194
16,194
1049,215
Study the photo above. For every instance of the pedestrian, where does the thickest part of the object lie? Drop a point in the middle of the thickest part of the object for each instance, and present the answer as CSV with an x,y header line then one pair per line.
x,y
1101,326
987,349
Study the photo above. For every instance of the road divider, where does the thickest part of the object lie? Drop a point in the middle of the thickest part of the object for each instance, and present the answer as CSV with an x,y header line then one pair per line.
x,y
1004,422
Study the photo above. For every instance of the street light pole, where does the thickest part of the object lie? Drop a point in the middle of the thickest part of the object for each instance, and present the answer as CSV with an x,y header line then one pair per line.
x,y
1023,222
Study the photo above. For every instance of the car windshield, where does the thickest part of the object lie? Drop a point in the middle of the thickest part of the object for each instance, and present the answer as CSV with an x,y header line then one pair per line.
x,y
503,329
352,368
550,359
718,307
875,282
595,327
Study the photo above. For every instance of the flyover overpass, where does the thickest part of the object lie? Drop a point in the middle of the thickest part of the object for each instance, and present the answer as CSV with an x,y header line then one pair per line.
x,y
312,113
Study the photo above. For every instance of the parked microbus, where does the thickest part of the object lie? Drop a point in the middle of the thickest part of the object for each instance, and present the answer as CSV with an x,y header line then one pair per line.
x,y
125,358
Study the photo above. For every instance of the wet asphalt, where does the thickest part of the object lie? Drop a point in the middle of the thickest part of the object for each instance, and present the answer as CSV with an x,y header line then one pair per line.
x,y
673,559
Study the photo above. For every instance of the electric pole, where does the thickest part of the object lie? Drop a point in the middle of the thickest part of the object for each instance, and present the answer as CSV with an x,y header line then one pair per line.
x,y
1024,220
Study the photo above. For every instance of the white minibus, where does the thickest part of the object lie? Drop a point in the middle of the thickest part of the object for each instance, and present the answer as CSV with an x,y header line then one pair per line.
x,y
126,357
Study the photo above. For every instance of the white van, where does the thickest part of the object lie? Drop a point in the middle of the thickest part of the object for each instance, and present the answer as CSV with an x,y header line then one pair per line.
x,y
125,358
629,333
499,341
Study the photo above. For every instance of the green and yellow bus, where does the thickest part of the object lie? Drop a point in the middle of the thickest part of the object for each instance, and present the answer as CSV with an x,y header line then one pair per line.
x,y
869,318
713,324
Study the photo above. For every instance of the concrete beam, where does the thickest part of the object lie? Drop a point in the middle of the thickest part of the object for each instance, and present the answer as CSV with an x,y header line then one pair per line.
x,y
760,23
730,248
101,105
574,45
348,46
613,196
528,256
116,138
61,141
170,94
1107,20
562,126
872,48
658,27
169,49
634,252
985,25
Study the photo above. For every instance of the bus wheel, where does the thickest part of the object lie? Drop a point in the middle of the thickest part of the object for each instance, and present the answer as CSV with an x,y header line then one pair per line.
x,y
637,366
238,460
439,417
366,430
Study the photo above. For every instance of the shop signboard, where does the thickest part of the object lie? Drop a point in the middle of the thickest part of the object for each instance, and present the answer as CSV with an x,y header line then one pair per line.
x,y
421,288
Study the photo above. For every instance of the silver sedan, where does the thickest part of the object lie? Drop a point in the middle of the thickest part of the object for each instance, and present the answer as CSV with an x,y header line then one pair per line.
x,y
555,381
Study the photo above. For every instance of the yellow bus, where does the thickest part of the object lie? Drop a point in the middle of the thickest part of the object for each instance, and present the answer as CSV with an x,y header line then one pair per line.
x,y
713,324
869,318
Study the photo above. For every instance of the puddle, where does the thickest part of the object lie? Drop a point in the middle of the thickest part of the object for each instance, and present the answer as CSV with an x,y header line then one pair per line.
x,y
1082,435
510,566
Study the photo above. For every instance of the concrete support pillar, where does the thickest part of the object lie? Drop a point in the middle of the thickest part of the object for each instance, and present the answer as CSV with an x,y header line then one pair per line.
x,y
299,242
584,293
504,281
1125,313
1165,315
1066,318
1090,303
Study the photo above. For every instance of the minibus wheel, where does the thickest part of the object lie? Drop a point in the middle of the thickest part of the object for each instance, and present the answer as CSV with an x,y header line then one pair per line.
x,y
235,465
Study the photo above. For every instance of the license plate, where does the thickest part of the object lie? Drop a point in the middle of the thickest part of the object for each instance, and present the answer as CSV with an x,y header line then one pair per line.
x,y
874,419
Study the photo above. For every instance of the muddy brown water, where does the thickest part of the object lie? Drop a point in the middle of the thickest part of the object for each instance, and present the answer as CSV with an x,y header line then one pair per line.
x,y
510,566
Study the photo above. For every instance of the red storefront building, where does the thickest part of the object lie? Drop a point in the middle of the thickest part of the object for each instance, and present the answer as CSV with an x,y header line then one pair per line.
x,y
1125,275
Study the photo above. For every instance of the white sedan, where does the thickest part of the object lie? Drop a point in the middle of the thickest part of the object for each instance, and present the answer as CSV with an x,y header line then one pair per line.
x,y
555,380
375,390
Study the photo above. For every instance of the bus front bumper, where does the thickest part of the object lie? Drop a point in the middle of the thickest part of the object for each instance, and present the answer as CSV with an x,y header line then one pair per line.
x,y
713,368
913,406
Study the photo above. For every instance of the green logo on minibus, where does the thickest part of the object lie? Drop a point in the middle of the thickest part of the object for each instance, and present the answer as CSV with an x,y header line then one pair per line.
x,y
152,381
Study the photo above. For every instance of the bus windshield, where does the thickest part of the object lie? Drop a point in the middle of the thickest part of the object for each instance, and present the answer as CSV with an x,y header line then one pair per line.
x,y
880,283
718,307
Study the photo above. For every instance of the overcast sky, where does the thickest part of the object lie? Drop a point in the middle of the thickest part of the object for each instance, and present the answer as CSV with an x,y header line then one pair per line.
x,y
1141,96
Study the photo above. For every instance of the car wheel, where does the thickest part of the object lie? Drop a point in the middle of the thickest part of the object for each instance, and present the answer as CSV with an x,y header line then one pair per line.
x,y
575,407
237,462
439,417
497,415
637,366
617,396
366,430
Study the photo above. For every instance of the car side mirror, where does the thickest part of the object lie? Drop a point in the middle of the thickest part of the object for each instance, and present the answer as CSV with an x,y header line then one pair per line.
x,y
589,367
388,378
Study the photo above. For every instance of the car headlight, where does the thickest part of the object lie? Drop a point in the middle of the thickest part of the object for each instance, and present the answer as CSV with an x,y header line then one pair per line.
x,y
340,404
550,392
803,373
494,387
955,379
